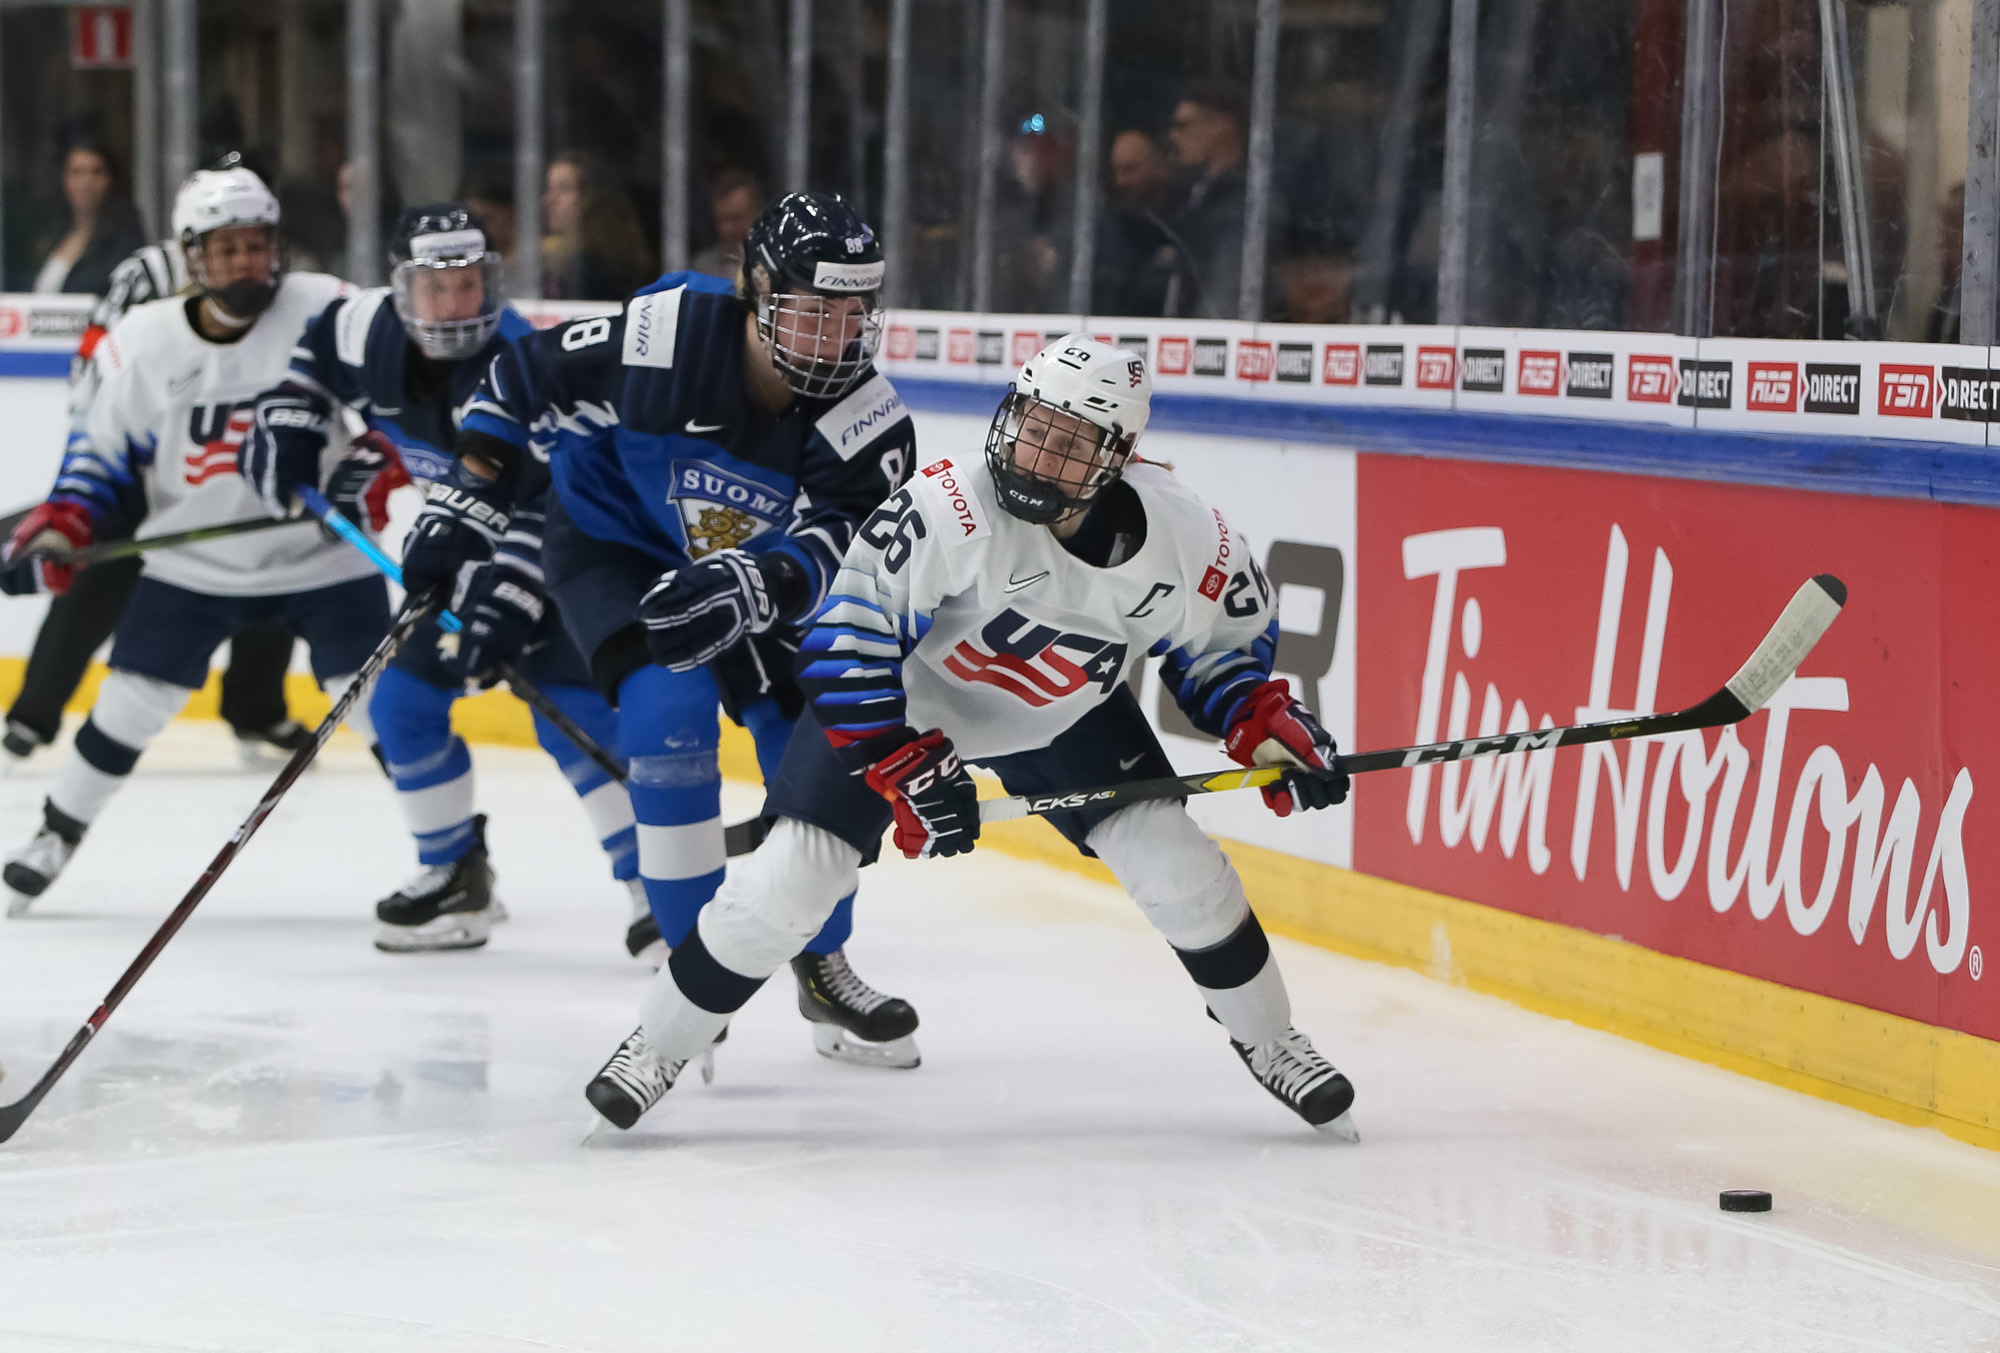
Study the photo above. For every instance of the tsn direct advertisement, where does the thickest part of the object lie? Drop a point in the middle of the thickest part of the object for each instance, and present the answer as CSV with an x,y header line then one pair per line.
x,y
1836,842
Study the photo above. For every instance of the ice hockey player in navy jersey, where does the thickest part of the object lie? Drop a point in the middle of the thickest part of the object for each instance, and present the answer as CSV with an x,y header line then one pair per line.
x,y
711,449
988,612
406,357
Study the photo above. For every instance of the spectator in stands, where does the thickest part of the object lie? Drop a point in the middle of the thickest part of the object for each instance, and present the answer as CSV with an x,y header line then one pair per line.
x,y
1141,265
1209,137
99,227
734,199
1315,268
593,249
490,199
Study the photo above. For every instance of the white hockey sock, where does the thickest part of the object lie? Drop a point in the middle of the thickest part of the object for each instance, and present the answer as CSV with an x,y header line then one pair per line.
x,y
1256,1012
778,898
129,713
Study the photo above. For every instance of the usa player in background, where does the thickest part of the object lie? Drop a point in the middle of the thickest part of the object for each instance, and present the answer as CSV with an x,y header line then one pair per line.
x,y
709,452
988,612
178,387
405,358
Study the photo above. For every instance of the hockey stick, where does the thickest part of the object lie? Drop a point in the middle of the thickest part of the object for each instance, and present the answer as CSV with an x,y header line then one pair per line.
x,y
1804,619
15,1114
121,549
739,838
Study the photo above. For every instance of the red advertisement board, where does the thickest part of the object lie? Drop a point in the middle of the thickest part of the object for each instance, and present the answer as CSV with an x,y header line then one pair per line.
x,y
1837,842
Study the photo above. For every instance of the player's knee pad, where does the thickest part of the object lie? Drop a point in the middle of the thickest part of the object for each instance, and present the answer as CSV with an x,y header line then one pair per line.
x,y
777,900
131,710
358,714
1178,876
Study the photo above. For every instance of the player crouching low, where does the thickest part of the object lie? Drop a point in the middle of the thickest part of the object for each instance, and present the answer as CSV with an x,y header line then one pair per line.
x,y
998,606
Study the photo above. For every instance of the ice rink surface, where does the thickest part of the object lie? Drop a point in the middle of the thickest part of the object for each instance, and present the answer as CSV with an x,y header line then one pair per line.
x,y
288,1141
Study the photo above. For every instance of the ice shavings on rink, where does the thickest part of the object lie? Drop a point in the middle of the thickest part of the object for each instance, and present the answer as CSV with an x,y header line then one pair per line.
x,y
288,1141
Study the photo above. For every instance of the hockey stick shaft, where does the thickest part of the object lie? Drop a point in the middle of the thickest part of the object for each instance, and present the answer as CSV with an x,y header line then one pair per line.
x,y
122,549
1805,618
739,838
13,1115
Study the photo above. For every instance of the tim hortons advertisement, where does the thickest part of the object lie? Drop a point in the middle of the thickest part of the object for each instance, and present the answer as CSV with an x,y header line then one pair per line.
x,y
1838,842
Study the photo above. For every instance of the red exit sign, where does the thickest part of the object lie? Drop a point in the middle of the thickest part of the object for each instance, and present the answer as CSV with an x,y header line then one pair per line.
x,y
100,37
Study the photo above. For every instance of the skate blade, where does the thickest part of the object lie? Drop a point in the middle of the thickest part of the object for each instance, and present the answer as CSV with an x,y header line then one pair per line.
x,y
18,904
496,911
898,1054
708,1065
1341,1129
454,930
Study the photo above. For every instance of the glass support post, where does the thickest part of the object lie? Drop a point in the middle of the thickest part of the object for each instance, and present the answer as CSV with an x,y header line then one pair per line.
x,y
1089,146
1701,144
1257,174
675,113
1455,207
1980,263
529,94
896,159
992,55
798,96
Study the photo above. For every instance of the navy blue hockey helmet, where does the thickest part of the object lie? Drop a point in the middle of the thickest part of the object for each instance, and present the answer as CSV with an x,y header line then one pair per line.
x,y
813,268
445,280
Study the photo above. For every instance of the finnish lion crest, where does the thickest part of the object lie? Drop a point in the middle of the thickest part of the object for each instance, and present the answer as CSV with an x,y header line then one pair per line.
x,y
719,528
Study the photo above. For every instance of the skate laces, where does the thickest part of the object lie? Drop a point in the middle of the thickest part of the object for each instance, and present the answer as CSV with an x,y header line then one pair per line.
x,y
429,879
639,1069
846,988
1290,1064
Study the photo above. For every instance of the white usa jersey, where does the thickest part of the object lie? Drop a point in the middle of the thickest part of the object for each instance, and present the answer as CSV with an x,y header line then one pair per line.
x,y
949,613
170,411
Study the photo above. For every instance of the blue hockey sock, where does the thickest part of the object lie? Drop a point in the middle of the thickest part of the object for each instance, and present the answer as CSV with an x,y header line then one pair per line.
x,y
427,762
668,728
605,801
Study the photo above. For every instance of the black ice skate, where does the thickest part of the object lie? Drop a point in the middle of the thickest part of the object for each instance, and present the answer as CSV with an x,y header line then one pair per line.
x,y
853,1022
259,747
633,1081
1305,1082
34,867
642,937
446,906
19,739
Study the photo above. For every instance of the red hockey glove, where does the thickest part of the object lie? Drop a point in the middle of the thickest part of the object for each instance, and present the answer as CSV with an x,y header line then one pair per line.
x,y
363,478
936,802
1272,729
50,533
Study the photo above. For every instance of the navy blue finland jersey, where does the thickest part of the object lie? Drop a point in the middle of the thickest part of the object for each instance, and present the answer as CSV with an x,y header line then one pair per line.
x,y
647,426
358,353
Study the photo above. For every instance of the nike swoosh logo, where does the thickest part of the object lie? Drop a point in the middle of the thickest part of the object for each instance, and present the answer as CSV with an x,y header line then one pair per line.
x,y
1127,765
1016,584
698,428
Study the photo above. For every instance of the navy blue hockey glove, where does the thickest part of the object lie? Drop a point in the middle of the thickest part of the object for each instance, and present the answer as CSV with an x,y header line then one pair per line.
x,y
288,430
464,518
694,613
499,608
364,477
937,808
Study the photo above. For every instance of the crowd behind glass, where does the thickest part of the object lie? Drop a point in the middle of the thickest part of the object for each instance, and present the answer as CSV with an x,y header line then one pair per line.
x,y
1571,219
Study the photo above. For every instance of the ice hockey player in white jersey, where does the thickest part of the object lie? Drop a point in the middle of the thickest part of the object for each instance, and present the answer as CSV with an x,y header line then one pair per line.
x,y
178,382
996,604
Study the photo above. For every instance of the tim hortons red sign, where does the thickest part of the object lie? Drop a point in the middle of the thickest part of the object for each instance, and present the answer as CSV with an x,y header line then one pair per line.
x,y
1837,842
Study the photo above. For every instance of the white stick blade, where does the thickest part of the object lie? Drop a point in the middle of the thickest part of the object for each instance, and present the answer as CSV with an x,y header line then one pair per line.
x,y
1805,618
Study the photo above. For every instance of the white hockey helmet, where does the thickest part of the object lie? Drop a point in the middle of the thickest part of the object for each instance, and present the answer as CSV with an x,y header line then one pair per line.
x,y
1067,426
223,198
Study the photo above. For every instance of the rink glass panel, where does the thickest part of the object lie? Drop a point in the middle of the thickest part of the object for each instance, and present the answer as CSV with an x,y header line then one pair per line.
x,y
1785,250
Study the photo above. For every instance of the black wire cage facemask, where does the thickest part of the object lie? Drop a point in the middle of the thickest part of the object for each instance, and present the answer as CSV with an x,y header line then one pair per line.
x,y
1072,458
820,346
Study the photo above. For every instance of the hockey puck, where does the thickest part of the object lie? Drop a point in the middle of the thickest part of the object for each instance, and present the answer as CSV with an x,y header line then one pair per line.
x,y
1745,1200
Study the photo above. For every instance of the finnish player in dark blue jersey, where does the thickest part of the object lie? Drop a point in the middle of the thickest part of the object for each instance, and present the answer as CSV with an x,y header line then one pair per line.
x,y
709,452
407,358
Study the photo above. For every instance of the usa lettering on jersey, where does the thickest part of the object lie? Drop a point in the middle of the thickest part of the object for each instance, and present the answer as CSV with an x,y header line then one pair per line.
x,y
216,432
1038,663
